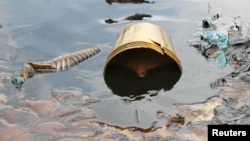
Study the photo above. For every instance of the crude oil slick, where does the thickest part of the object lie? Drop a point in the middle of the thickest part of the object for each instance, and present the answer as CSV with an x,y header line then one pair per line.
x,y
77,105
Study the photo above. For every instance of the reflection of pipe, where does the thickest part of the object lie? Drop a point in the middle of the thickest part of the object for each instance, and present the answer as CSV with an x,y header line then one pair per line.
x,y
143,59
128,1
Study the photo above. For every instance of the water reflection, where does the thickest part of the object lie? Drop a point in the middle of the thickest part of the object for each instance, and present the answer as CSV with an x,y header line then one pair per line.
x,y
129,1
126,83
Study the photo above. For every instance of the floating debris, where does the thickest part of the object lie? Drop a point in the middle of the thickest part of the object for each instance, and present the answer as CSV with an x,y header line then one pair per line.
x,y
220,82
213,44
207,23
128,1
18,81
57,64
219,39
219,59
216,16
111,21
211,52
137,16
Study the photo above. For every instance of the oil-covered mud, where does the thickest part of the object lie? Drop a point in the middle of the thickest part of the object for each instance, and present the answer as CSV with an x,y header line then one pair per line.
x,y
77,105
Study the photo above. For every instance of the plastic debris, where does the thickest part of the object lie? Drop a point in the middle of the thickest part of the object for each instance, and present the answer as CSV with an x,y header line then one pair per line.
x,y
18,81
211,52
218,43
221,40
216,16
220,60
206,23
212,43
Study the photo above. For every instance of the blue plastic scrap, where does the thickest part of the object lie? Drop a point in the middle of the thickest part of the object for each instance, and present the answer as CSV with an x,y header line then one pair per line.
x,y
221,40
220,60
217,42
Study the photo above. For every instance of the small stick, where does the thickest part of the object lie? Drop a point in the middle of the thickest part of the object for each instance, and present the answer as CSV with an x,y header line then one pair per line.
x,y
137,116
209,7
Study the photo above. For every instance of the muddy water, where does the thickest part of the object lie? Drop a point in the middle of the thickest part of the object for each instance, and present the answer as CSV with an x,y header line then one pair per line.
x,y
43,29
